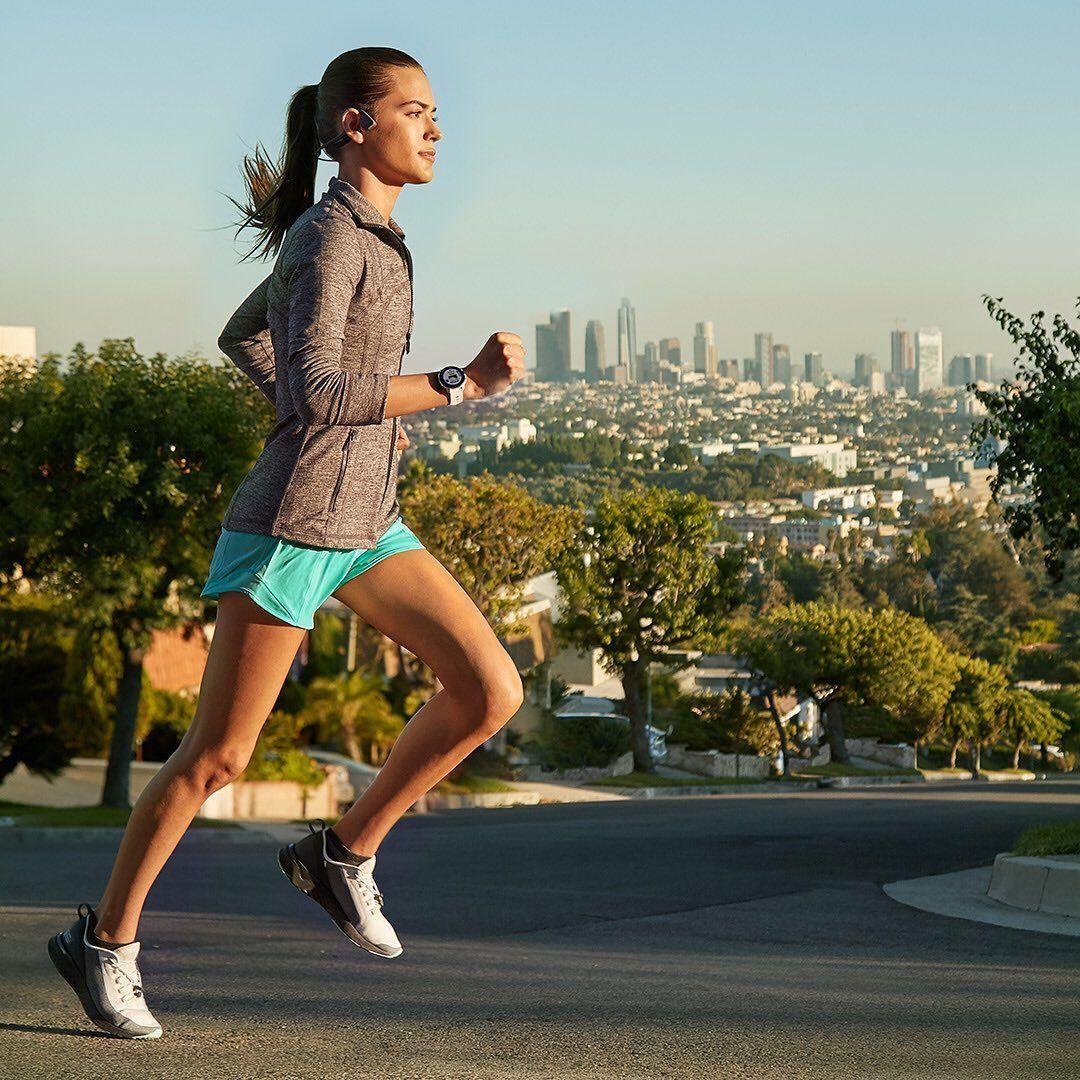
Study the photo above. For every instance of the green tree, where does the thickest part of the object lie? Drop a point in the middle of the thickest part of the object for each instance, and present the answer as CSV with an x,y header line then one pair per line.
x,y
881,658
492,535
352,711
1027,720
33,641
117,474
1034,421
640,580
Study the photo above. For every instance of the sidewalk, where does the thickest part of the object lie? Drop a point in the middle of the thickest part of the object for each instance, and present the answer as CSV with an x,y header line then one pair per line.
x,y
964,895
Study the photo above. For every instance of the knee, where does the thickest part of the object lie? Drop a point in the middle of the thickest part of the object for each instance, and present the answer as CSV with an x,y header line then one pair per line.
x,y
500,696
215,767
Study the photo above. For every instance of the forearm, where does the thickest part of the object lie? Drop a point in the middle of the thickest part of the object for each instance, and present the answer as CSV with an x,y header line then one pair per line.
x,y
415,393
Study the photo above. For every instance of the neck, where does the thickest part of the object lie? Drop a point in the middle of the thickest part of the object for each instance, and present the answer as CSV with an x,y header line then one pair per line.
x,y
381,196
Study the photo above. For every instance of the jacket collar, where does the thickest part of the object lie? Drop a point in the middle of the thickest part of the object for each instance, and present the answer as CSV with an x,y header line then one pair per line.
x,y
362,209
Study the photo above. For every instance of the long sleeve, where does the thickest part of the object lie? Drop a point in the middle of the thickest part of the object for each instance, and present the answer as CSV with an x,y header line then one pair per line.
x,y
322,285
246,342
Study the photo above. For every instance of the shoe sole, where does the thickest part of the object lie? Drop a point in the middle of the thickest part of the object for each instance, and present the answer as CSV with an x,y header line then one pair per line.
x,y
301,878
74,978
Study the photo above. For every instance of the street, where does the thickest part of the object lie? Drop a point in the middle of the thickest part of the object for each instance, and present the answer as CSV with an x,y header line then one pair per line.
x,y
739,936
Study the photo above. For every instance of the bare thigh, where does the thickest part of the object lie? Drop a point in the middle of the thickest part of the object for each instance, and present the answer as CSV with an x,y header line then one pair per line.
x,y
250,655
414,600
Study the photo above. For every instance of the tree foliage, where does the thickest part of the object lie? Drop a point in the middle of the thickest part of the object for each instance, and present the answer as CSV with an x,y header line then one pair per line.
x,y
1035,422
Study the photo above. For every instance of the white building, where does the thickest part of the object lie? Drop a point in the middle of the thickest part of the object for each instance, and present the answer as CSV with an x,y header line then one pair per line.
x,y
18,345
929,359
834,456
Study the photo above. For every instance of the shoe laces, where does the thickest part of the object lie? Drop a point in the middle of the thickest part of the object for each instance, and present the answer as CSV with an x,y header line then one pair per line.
x,y
367,887
126,978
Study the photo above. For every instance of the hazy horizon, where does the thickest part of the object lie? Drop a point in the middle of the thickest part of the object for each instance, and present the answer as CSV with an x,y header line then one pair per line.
x,y
812,173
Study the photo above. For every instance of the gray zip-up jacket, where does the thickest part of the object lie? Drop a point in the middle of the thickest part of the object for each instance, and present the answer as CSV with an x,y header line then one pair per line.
x,y
321,337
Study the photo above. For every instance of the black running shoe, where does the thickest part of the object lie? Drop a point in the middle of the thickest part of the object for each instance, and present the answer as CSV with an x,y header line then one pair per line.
x,y
347,893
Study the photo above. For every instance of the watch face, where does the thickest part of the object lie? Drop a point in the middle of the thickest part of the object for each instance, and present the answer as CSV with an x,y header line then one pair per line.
x,y
451,377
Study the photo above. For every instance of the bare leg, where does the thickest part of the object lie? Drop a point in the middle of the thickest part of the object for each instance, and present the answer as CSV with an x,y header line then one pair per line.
x,y
413,599
249,659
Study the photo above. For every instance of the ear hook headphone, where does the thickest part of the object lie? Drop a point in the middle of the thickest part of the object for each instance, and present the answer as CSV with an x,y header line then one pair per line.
x,y
367,122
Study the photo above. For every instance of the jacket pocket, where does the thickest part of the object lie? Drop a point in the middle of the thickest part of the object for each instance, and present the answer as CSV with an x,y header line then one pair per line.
x,y
344,468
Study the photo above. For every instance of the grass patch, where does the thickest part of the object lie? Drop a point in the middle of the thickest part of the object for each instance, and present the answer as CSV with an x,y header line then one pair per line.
x,y
469,784
643,780
1055,838
838,768
71,817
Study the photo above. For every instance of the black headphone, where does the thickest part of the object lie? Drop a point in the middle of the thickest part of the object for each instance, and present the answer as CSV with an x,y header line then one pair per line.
x,y
367,122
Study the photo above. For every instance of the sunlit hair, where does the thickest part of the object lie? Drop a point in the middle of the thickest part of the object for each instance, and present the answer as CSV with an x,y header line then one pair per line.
x,y
278,194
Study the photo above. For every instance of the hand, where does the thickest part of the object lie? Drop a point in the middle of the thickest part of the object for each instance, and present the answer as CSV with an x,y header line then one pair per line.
x,y
402,438
498,364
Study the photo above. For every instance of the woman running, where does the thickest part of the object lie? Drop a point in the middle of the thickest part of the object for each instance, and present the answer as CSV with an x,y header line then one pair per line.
x,y
323,337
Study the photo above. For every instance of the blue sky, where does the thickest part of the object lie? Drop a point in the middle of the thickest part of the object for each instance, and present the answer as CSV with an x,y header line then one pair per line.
x,y
815,170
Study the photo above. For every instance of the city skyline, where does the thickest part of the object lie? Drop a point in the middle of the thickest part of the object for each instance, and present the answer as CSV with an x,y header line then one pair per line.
x,y
779,359
825,202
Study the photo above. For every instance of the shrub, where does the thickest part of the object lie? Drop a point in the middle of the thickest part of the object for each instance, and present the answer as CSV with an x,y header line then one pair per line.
x,y
572,742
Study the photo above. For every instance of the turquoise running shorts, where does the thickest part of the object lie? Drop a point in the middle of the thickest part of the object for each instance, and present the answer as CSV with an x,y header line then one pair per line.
x,y
292,581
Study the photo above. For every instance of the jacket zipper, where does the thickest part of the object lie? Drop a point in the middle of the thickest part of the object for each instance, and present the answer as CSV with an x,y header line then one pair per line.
x,y
341,472
390,456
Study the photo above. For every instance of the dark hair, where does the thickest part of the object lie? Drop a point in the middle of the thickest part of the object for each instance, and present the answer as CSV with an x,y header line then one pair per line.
x,y
278,195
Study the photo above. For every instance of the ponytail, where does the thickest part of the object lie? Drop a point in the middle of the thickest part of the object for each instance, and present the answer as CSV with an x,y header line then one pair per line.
x,y
278,194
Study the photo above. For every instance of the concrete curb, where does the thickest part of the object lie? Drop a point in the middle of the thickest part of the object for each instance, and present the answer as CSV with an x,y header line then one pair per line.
x,y
867,781
709,789
439,800
1050,883
963,895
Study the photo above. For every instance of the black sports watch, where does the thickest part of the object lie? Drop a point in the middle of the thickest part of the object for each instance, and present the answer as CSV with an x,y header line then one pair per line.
x,y
451,381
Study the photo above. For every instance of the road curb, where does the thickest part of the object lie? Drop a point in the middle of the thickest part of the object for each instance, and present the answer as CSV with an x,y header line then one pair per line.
x,y
707,789
44,834
1050,883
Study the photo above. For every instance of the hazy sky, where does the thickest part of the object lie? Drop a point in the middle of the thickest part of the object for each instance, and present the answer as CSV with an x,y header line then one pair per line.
x,y
812,169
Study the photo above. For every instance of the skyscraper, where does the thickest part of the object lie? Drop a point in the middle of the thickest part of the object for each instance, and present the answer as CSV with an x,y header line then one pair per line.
x,y
546,352
781,364
704,348
903,358
961,369
627,343
984,367
595,358
763,356
865,365
929,353
671,351
812,365
650,371
553,348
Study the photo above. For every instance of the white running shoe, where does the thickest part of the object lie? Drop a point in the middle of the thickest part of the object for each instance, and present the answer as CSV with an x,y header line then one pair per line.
x,y
347,893
107,981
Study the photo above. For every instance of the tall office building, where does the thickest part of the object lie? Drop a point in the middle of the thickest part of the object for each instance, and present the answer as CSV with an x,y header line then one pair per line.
x,y
546,352
813,368
595,359
929,354
984,367
553,348
650,371
961,369
728,368
751,369
671,351
903,358
764,359
704,348
781,364
865,365
626,356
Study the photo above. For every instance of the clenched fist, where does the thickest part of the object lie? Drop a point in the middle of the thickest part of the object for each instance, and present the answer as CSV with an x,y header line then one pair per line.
x,y
498,364
402,438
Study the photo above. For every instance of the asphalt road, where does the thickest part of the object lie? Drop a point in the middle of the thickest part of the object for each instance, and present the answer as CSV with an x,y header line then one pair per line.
x,y
736,936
